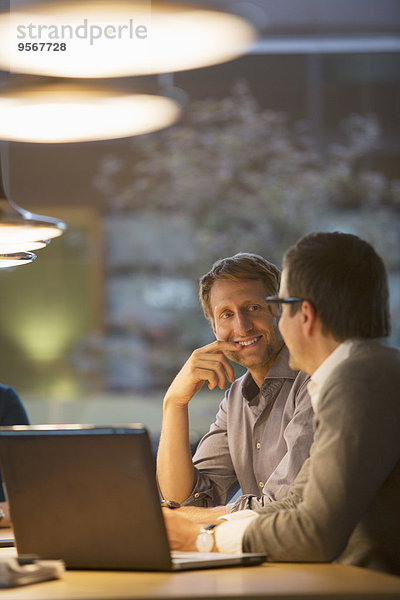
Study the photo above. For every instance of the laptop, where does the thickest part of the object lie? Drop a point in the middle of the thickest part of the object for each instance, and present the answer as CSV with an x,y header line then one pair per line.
x,y
88,495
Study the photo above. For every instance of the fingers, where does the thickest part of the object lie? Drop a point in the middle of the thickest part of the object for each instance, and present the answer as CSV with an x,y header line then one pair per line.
x,y
210,371
215,372
206,364
219,346
218,349
210,364
181,531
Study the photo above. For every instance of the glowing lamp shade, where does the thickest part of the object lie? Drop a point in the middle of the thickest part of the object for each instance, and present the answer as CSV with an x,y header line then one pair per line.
x,y
16,259
57,112
121,38
21,230
9,247
19,226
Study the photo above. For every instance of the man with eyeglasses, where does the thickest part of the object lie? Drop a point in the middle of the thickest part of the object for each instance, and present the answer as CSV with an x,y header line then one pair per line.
x,y
263,430
344,504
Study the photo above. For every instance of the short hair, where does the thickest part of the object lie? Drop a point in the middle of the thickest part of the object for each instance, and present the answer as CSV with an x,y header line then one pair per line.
x,y
243,265
344,279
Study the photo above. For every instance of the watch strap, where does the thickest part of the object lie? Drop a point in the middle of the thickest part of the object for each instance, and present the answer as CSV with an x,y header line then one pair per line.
x,y
170,504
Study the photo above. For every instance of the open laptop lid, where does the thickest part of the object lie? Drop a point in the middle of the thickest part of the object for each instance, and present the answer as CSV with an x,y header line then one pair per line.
x,y
85,494
88,495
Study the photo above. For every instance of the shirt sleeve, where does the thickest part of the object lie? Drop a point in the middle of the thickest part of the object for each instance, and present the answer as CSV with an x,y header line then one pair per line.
x,y
215,479
298,436
229,534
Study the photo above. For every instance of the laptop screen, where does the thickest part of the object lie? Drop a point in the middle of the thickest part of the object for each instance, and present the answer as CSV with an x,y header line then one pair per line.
x,y
85,494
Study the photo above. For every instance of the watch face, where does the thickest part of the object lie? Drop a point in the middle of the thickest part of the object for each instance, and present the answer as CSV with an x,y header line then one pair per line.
x,y
205,541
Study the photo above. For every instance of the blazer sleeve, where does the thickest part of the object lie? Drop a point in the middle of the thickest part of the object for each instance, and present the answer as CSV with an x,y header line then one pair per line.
x,y
356,447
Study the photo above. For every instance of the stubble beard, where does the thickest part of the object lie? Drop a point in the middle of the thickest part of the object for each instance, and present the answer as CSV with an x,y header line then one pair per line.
x,y
272,347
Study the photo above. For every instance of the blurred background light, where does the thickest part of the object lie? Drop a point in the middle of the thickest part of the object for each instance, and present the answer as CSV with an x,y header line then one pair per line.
x,y
122,38
66,112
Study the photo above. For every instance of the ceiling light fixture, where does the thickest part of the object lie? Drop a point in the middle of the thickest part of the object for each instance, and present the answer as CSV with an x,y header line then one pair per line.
x,y
20,226
79,112
16,259
12,247
120,38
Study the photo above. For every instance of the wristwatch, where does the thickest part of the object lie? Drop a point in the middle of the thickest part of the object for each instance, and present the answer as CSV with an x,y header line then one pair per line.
x,y
205,540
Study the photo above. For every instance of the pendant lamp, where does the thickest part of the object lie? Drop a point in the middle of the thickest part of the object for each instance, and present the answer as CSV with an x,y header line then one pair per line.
x,y
16,259
13,247
118,38
21,227
54,111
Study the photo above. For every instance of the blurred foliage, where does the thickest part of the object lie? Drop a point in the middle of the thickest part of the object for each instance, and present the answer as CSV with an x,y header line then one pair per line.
x,y
230,177
246,178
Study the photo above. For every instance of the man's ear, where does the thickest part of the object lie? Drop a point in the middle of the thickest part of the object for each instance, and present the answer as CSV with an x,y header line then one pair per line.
x,y
308,317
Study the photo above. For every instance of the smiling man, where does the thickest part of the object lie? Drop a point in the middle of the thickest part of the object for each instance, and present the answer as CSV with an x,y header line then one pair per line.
x,y
343,506
263,429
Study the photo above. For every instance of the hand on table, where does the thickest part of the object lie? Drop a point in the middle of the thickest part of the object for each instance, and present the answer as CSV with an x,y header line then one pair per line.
x,y
182,533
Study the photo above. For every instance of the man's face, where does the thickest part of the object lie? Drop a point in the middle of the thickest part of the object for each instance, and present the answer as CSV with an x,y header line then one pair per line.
x,y
241,315
289,328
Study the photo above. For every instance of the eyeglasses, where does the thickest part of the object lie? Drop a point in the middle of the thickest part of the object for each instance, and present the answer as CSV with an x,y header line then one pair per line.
x,y
275,304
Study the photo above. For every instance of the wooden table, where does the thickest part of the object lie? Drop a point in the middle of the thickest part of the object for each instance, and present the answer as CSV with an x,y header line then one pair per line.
x,y
279,581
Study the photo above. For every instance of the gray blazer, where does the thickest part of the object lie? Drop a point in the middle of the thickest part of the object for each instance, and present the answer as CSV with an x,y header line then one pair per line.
x,y
344,505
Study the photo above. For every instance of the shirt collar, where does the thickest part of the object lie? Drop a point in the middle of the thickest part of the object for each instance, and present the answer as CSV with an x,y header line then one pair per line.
x,y
318,378
279,370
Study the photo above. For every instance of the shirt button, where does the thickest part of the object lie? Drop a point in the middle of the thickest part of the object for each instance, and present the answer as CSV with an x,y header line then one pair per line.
x,y
258,445
261,484
196,495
